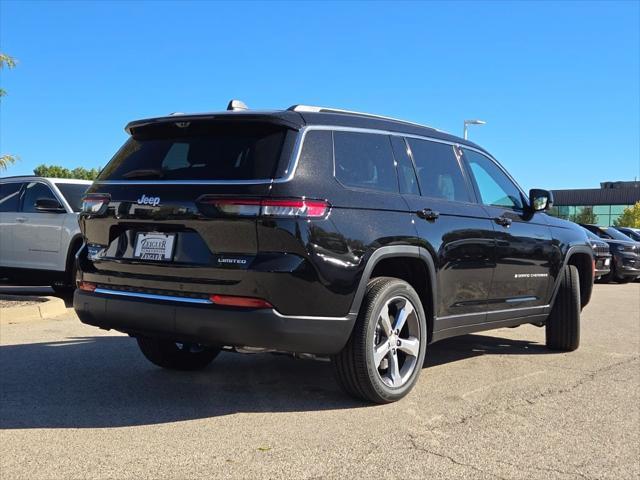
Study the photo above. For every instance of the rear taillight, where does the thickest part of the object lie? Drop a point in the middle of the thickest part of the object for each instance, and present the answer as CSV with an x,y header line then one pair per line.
x,y
87,286
95,203
269,207
234,301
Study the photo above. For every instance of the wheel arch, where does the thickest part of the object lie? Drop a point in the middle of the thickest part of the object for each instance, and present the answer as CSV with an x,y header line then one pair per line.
x,y
413,264
75,244
580,256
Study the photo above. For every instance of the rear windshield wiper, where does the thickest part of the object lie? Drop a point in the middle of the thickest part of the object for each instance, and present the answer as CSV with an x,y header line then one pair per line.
x,y
144,172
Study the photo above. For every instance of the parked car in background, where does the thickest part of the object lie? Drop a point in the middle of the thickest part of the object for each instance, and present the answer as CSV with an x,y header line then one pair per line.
x,y
39,232
625,266
601,255
632,233
324,232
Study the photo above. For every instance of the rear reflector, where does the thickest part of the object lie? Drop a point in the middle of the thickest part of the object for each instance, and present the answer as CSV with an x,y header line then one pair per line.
x,y
270,207
87,286
232,301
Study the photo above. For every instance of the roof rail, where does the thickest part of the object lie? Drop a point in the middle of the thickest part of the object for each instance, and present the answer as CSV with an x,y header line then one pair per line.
x,y
316,109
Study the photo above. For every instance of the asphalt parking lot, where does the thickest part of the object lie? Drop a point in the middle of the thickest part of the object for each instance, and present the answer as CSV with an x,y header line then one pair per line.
x,y
77,402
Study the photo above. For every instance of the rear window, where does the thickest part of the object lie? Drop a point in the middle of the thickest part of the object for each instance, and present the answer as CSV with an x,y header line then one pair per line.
x,y
199,152
73,193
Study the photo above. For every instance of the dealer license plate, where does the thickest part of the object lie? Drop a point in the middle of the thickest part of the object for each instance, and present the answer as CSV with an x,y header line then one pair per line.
x,y
154,246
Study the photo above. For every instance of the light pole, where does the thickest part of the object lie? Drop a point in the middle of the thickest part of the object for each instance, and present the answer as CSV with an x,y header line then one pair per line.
x,y
471,122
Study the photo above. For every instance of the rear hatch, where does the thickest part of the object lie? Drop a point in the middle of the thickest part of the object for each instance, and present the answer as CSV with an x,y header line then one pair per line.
x,y
163,207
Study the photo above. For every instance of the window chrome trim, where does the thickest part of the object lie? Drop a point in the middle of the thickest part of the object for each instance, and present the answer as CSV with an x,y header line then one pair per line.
x,y
184,182
295,159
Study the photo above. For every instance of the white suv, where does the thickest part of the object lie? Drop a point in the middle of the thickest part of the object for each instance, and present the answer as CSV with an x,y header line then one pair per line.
x,y
39,233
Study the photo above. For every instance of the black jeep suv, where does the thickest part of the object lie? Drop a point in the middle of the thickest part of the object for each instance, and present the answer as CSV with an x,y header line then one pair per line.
x,y
320,231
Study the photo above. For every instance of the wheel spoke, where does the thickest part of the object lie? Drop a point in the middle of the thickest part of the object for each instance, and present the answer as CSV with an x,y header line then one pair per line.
x,y
385,321
402,316
394,370
410,346
380,352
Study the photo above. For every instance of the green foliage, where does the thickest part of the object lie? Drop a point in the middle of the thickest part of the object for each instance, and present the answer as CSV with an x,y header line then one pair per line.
x,y
10,62
6,160
586,215
56,171
630,217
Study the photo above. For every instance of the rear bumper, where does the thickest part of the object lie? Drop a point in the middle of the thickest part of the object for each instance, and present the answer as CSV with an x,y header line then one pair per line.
x,y
213,325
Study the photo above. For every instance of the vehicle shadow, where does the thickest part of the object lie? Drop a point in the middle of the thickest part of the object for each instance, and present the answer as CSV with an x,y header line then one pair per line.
x,y
93,382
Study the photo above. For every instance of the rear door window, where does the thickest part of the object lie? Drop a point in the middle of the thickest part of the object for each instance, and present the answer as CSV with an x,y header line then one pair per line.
x,y
438,170
364,160
9,196
73,193
199,152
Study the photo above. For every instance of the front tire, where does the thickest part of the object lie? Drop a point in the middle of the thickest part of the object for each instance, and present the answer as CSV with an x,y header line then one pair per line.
x,y
384,355
176,355
563,324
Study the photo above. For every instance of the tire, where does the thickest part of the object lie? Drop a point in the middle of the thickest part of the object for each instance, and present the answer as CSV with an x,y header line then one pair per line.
x,y
69,285
563,324
175,355
368,374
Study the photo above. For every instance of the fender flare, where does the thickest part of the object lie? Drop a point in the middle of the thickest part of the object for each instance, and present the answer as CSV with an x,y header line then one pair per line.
x,y
389,252
570,252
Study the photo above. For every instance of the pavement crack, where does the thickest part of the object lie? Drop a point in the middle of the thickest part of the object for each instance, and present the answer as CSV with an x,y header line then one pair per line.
x,y
414,444
534,399
543,469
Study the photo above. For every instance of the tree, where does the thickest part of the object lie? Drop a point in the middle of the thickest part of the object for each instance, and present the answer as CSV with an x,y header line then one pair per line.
x,y
56,171
9,62
585,215
630,217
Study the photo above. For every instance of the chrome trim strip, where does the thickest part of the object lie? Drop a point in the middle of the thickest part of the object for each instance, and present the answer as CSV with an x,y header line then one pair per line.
x,y
307,317
317,109
151,296
521,299
295,160
201,301
539,307
184,182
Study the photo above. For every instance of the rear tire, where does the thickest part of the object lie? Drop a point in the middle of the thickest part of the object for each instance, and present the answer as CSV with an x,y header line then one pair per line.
x,y
385,353
175,355
563,323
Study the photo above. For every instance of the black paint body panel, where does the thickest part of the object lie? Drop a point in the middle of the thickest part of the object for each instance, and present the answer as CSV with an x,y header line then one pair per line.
x,y
481,275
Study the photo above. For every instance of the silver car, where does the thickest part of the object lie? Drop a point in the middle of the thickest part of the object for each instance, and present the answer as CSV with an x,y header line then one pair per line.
x,y
39,233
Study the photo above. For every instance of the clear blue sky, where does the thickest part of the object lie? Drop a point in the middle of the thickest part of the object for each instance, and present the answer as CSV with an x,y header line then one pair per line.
x,y
557,83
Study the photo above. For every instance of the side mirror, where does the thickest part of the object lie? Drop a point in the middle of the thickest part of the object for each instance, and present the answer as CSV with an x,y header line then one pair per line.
x,y
49,205
540,200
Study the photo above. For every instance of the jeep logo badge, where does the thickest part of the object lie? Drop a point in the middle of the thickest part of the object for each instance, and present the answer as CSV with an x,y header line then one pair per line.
x,y
144,200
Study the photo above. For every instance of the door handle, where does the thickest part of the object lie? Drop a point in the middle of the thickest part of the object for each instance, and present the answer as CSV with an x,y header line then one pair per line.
x,y
504,221
428,214
21,219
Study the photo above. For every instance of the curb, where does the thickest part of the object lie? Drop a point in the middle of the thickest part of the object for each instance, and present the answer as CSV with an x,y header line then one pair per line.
x,y
52,307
